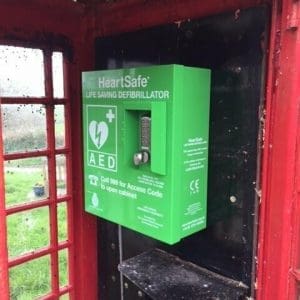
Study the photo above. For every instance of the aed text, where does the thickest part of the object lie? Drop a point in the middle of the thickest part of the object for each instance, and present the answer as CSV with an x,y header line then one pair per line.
x,y
102,160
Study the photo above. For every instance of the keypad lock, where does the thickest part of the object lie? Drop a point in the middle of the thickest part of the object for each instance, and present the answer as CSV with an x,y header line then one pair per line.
x,y
143,156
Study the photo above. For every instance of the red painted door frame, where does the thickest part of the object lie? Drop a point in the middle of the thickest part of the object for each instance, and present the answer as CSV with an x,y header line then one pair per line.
x,y
4,290
278,251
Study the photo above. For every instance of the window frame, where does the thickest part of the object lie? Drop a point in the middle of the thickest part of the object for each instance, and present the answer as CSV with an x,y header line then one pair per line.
x,y
53,199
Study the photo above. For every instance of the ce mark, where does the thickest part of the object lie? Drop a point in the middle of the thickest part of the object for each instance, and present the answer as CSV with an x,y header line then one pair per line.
x,y
194,186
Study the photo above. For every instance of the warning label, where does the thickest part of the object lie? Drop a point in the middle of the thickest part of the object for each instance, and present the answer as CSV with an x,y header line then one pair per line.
x,y
194,152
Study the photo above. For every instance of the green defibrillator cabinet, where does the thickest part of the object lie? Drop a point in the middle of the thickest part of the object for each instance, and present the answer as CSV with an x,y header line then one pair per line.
x,y
146,148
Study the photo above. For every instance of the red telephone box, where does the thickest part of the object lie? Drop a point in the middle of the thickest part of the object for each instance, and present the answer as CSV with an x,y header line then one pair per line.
x,y
252,48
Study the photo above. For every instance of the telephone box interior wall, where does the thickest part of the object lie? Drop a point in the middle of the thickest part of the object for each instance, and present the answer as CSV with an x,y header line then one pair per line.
x,y
232,45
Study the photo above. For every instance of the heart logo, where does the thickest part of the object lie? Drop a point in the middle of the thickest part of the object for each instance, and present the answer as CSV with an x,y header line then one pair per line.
x,y
98,133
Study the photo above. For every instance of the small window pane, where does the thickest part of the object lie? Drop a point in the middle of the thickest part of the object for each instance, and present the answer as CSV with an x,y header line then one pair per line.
x,y
58,75
30,280
21,72
59,115
27,231
26,180
63,267
61,175
62,215
64,297
24,127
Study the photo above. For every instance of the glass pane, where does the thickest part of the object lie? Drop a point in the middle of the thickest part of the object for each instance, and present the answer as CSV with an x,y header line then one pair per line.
x,y
61,175
64,297
62,221
26,180
24,127
27,231
21,72
59,117
58,75
63,267
30,280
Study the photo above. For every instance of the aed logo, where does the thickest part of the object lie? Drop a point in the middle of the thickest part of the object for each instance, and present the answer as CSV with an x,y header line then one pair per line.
x,y
101,133
123,82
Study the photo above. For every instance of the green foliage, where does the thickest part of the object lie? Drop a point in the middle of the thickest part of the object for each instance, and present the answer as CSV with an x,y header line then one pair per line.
x,y
26,141
33,162
30,142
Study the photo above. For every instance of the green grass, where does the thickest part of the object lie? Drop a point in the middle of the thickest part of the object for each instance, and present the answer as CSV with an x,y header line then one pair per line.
x,y
18,186
30,280
29,231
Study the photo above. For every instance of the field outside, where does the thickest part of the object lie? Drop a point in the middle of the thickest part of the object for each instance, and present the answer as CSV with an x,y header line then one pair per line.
x,y
28,231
